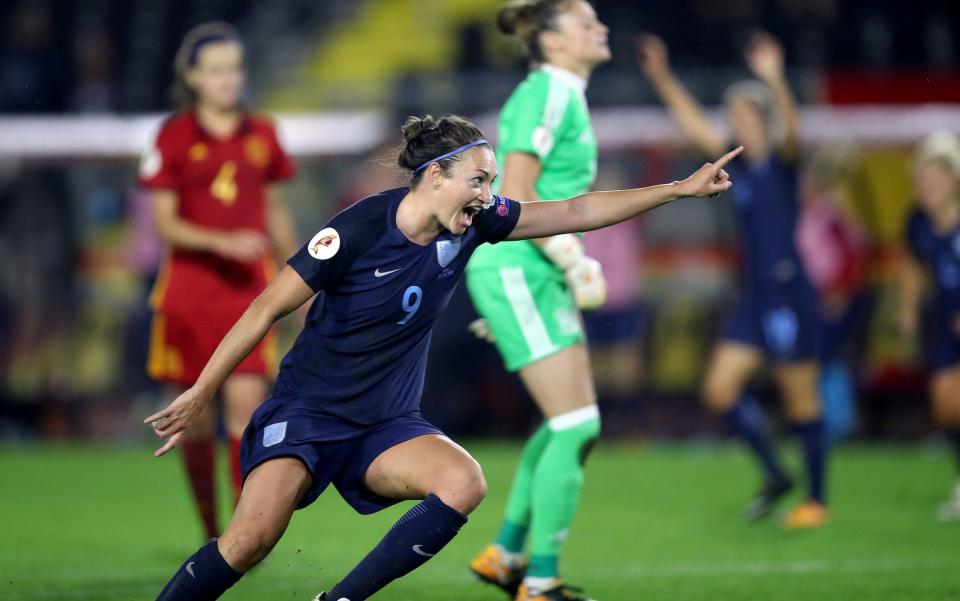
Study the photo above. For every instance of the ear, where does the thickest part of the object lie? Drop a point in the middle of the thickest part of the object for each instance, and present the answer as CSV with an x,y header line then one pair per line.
x,y
551,41
435,173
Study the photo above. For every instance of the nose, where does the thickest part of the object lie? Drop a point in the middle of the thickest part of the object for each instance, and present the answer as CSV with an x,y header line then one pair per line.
x,y
486,194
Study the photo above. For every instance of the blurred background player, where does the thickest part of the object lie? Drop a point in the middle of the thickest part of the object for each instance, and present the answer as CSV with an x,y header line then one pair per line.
x,y
211,171
777,317
835,246
529,292
933,238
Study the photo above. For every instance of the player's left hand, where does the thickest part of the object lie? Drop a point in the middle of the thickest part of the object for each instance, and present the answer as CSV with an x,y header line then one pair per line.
x,y
171,422
709,180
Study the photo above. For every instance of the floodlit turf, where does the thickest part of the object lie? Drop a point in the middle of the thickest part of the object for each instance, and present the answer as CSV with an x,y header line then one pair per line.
x,y
657,523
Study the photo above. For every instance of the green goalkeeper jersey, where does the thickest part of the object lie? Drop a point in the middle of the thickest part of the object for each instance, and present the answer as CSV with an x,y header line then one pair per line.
x,y
546,116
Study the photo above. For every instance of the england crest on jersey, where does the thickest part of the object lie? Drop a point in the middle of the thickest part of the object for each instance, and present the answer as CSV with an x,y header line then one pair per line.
x,y
447,250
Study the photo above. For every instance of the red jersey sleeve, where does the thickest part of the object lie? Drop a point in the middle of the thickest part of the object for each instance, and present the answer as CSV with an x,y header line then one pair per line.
x,y
281,166
161,167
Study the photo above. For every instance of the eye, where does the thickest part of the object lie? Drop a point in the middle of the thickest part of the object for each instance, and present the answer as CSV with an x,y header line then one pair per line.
x,y
477,180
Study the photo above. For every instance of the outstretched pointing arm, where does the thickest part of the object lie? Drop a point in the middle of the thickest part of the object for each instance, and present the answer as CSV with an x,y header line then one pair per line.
x,y
595,210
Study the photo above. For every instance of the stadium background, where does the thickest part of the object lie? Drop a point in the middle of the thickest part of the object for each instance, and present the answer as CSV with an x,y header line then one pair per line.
x,y
83,84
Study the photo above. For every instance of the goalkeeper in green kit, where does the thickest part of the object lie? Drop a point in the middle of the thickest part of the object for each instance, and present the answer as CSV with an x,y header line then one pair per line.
x,y
529,292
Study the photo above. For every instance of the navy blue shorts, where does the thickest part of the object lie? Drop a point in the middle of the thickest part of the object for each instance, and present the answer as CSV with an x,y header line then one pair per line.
x,y
946,344
786,329
279,428
615,326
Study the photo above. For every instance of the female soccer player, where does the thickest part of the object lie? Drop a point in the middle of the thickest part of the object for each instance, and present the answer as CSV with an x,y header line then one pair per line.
x,y
212,170
777,317
529,292
933,237
345,407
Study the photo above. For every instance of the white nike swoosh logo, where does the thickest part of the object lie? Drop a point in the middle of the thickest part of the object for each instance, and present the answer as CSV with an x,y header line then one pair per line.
x,y
380,274
190,568
419,551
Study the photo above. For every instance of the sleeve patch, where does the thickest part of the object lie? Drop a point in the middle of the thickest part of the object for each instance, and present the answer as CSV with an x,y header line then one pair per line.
x,y
151,163
325,244
542,140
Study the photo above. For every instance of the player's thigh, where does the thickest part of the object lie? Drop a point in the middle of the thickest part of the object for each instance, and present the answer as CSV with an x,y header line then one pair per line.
x,y
798,383
945,396
242,394
561,382
428,464
270,495
731,365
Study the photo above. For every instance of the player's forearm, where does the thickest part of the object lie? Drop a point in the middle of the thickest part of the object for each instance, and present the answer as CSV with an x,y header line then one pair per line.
x,y
242,338
590,211
182,234
595,210
787,109
688,113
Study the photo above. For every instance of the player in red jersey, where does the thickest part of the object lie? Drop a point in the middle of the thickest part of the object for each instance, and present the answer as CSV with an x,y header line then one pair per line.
x,y
212,170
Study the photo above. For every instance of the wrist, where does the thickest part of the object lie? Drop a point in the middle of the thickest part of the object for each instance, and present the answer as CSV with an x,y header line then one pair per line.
x,y
676,190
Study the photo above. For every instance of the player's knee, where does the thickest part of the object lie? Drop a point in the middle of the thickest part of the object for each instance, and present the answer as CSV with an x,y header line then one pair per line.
x,y
463,488
803,408
243,549
717,396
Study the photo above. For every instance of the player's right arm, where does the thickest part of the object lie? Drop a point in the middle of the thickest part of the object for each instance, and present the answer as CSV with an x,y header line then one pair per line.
x,y
285,294
655,64
239,245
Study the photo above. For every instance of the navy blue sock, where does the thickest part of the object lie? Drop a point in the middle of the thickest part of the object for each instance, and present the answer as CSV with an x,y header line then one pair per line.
x,y
747,421
814,446
415,538
204,576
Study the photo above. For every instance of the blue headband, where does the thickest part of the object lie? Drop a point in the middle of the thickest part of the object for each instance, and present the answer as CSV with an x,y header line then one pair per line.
x,y
207,39
450,154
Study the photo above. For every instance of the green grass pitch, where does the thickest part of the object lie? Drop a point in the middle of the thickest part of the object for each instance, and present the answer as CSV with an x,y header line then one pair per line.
x,y
656,523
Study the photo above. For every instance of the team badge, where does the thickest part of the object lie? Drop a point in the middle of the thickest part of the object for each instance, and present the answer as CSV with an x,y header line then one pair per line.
x,y
325,244
502,207
256,149
274,434
447,250
198,152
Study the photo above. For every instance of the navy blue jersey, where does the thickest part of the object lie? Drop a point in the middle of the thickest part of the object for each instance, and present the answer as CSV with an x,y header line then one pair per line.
x,y
941,254
765,195
361,357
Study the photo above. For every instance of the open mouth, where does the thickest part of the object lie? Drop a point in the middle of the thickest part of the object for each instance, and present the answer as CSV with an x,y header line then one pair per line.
x,y
468,213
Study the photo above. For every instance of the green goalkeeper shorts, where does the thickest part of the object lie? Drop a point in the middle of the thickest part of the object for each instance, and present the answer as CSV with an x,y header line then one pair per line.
x,y
530,310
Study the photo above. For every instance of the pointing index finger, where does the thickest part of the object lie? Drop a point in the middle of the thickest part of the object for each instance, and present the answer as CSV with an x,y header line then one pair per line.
x,y
722,161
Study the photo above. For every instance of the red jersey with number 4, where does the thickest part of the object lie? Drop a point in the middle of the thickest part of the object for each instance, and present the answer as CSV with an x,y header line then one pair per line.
x,y
221,184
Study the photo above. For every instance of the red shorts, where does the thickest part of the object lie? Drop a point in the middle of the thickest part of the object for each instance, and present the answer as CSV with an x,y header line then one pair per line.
x,y
182,340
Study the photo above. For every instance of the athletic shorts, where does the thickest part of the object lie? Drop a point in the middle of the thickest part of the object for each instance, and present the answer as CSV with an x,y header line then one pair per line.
x,y
785,327
946,344
182,341
280,428
530,310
